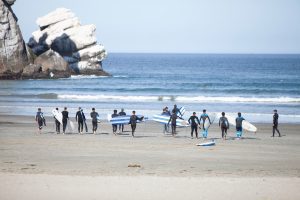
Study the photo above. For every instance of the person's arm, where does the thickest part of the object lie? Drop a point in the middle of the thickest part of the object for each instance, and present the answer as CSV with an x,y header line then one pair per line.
x,y
227,122
220,121
169,120
198,121
190,120
208,119
83,116
76,117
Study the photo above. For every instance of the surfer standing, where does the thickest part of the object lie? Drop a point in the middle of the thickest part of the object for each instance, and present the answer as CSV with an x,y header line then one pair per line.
x,y
57,124
239,128
194,121
115,126
122,113
173,119
133,121
275,123
39,118
204,117
65,118
94,116
80,118
224,124
177,111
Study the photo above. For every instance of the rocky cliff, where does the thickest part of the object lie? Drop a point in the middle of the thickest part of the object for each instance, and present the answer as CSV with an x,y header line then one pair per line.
x,y
13,54
62,32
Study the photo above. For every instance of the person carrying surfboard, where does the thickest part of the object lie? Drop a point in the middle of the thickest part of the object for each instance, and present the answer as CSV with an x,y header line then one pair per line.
x,y
204,117
177,111
224,124
122,113
65,118
115,126
57,124
39,118
238,126
275,123
194,121
94,116
80,118
133,121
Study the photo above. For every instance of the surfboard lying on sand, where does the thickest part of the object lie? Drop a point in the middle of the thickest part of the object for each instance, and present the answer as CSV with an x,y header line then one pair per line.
x,y
212,118
123,119
164,119
205,144
57,115
245,124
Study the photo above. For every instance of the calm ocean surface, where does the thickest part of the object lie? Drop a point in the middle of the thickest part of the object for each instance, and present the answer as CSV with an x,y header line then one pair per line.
x,y
251,84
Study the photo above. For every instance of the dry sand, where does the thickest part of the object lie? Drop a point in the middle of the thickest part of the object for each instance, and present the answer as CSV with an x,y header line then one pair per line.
x,y
72,166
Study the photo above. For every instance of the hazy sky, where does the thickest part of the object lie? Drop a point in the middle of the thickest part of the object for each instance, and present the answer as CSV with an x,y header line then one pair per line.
x,y
182,26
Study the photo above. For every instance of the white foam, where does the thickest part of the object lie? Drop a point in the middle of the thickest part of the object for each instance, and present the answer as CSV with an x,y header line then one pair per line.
x,y
86,76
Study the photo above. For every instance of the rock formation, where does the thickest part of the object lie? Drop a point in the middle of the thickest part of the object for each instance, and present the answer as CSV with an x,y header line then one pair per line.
x,y
13,54
62,32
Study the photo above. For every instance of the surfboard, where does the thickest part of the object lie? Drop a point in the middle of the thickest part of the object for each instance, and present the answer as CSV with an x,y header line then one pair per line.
x,y
212,118
71,125
245,124
164,119
182,111
205,144
57,115
124,119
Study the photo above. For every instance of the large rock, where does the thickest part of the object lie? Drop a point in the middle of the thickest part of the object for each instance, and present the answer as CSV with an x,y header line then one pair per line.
x,y
13,53
62,32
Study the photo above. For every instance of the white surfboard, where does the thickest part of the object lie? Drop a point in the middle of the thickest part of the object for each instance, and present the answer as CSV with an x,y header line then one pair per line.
x,y
212,118
245,124
164,119
71,125
205,144
57,115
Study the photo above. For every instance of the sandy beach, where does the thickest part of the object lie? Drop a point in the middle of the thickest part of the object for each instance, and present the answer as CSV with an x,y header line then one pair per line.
x,y
150,166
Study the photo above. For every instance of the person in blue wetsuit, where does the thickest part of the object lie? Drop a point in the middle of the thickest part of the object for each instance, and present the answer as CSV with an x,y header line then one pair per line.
x,y
194,121
39,118
204,117
238,126
115,126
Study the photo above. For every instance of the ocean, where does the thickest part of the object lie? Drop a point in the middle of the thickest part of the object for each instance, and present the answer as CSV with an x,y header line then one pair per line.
x,y
254,85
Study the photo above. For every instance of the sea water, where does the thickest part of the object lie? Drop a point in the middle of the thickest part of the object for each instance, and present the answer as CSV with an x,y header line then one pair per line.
x,y
254,85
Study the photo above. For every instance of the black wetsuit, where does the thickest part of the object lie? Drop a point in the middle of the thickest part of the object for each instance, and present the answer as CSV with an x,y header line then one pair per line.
x,y
114,126
65,117
224,124
40,119
94,116
80,118
194,121
275,124
133,121
173,119
122,113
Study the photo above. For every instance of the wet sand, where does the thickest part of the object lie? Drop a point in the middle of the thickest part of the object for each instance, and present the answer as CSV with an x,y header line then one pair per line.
x,y
150,165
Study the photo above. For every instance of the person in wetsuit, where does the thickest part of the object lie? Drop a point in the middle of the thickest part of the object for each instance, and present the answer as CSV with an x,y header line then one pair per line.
x,y
194,121
224,124
177,111
122,113
94,116
57,124
133,121
114,126
238,126
204,117
166,112
39,118
173,119
80,118
275,123
65,118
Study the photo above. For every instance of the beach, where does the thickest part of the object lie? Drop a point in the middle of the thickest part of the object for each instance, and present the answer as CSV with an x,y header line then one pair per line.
x,y
149,166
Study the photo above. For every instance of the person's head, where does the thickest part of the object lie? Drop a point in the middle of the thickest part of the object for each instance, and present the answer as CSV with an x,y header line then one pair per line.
x,y
56,108
93,109
65,108
79,108
164,109
122,109
175,106
39,109
194,113
133,112
204,111
223,114
239,114
167,108
115,111
275,111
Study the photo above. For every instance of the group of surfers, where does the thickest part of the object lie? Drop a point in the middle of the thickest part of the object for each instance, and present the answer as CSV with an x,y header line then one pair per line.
x,y
194,122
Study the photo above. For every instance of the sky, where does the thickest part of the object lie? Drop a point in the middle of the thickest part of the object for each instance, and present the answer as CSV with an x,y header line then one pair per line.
x,y
180,26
